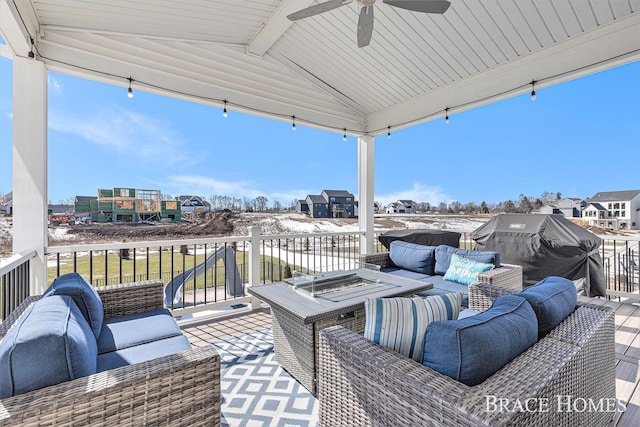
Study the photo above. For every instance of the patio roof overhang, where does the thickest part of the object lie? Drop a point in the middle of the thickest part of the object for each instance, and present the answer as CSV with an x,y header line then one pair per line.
x,y
248,53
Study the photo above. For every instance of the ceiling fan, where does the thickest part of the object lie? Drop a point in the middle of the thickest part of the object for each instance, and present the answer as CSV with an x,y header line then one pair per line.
x,y
365,22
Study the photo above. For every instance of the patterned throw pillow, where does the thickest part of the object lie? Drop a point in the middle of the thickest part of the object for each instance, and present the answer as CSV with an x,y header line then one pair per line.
x,y
465,271
401,323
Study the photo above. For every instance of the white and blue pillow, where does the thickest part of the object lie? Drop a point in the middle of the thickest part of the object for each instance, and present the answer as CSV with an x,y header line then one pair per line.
x,y
465,271
401,323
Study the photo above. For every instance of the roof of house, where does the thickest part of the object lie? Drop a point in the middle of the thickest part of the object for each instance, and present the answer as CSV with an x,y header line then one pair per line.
x,y
337,193
406,202
598,206
316,198
86,198
614,196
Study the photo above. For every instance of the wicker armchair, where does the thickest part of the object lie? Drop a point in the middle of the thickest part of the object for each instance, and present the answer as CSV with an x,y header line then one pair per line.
x,y
361,383
507,275
180,389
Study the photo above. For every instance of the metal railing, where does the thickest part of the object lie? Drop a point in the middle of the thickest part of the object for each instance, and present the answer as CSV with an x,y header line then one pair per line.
x,y
205,273
14,281
200,276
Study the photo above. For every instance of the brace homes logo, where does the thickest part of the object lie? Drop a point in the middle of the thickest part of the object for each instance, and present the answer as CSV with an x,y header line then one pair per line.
x,y
561,403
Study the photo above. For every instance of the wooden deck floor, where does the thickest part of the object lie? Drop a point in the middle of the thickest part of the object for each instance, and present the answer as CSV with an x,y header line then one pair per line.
x,y
202,331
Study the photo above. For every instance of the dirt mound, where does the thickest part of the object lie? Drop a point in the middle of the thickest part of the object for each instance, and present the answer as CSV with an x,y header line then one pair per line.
x,y
201,224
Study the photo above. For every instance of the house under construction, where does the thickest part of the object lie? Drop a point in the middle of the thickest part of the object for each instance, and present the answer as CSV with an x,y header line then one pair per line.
x,y
127,205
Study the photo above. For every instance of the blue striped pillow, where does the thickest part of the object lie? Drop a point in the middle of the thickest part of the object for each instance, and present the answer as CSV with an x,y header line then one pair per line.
x,y
401,323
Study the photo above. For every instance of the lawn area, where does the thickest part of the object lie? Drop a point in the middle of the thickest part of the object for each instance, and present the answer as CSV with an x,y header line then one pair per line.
x,y
112,268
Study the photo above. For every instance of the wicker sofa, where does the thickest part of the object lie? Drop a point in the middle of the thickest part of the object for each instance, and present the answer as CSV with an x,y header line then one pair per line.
x,y
506,275
361,383
176,389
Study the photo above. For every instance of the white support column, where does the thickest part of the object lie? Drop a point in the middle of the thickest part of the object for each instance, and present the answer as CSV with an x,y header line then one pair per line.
x,y
254,262
30,198
365,192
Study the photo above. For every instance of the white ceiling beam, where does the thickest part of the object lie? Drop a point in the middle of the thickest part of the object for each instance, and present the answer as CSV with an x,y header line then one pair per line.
x,y
275,26
12,28
597,50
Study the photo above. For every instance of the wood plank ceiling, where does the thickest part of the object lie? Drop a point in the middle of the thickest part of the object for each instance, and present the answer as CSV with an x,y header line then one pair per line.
x,y
248,53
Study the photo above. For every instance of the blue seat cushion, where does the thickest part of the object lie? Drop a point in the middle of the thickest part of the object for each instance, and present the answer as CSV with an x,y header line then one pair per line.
x,y
142,353
127,331
442,286
553,299
51,343
85,297
472,349
412,257
404,273
444,252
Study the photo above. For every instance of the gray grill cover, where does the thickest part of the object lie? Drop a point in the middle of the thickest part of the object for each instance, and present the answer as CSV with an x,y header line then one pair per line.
x,y
427,237
545,245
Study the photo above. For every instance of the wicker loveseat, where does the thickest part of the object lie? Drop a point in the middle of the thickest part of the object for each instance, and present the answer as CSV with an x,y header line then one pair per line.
x,y
177,389
429,263
549,384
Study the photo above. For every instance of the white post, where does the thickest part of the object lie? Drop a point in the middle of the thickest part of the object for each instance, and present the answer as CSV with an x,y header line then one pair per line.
x,y
254,262
365,193
30,198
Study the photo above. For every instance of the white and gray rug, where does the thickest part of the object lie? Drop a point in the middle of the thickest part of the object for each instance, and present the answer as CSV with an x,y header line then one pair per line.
x,y
256,391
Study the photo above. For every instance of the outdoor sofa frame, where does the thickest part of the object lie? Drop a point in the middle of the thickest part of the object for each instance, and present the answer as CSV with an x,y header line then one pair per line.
x,y
180,389
362,383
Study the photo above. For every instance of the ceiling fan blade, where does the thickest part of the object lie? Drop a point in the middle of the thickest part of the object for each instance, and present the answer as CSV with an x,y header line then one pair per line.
x,y
317,9
365,26
426,6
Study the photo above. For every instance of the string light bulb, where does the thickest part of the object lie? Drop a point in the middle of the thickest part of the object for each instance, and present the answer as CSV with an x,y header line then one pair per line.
x,y
533,90
389,132
446,115
224,111
130,91
293,123
31,54
344,135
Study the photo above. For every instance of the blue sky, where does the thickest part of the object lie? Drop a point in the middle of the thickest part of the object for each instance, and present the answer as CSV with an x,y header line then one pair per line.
x,y
578,138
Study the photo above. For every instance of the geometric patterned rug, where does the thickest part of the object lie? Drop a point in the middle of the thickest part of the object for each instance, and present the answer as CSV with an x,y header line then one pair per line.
x,y
256,391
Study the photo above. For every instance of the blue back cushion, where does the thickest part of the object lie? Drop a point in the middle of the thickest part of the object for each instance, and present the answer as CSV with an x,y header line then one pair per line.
x,y
85,297
444,252
470,350
552,299
412,257
51,343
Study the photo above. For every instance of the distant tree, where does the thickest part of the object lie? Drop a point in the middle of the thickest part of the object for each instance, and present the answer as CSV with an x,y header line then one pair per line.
x,y
558,195
547,197
455,207
537,204
470,208
277,206
442,207
509,206
260,203
484,208
525,204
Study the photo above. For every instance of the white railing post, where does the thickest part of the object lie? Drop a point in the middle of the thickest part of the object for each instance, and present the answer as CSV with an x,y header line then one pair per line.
x,y
254,261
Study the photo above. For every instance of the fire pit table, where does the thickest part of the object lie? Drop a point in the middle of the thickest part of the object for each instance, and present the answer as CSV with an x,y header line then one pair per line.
x,y
307,303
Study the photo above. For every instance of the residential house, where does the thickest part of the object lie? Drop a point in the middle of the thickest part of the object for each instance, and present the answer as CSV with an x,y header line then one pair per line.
x,y
569,207
402,206
302,206
329,204
614,209
6,204
191,203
